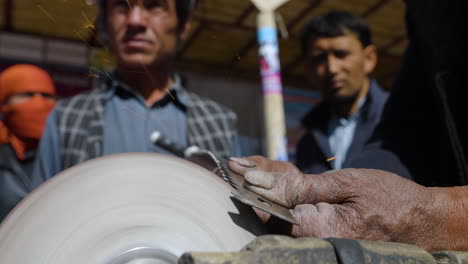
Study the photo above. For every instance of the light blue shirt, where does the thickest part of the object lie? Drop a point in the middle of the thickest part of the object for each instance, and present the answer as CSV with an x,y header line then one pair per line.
x,y
128,122
340,135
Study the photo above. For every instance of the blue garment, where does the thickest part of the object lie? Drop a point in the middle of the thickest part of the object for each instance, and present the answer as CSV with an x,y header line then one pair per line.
x,y
129,122
313,150
15,178
340,135
126,128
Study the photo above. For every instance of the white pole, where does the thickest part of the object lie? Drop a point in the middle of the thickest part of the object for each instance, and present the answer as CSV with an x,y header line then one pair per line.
x,y
275,128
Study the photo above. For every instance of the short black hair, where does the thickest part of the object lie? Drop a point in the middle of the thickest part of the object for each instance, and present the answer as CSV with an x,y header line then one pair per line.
x,y
184,9
335,24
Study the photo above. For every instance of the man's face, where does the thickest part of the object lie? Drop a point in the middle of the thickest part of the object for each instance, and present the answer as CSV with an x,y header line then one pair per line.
x,y
143,33
339,66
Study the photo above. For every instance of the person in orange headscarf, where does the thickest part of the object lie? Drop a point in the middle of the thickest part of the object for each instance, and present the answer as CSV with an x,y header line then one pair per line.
x,y
27,95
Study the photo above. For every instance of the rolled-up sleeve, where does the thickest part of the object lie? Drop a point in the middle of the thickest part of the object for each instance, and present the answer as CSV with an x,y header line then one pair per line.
x,y
48,159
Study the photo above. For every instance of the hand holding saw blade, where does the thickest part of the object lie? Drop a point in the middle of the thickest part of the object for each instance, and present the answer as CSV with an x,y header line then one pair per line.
x,y
210,161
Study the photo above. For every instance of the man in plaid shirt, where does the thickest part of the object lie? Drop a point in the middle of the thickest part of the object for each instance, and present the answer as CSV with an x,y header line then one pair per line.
x,y
143,95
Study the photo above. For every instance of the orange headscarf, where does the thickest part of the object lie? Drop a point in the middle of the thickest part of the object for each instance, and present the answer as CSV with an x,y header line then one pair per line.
x,y
24,122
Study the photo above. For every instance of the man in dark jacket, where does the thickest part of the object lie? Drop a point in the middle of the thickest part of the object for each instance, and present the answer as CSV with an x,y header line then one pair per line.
x,y
339,56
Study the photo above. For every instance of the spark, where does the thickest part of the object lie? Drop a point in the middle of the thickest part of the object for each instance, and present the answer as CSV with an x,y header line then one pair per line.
x,y
105,73
93,33
106,59
170,94
93,75
46,13
89,26
151,78
88,23
330,159
78,34
129,6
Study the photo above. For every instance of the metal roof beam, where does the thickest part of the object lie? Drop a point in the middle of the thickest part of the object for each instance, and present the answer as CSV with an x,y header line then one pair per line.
x,y
303,13
393,42
240,20
374,8
223,24
191,40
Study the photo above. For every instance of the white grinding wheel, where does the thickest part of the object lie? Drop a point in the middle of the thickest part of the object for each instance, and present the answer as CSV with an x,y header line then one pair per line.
x,y
126,208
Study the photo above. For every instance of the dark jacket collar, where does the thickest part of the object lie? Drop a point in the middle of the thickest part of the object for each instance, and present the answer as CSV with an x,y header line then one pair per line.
x,y
316,121
318,117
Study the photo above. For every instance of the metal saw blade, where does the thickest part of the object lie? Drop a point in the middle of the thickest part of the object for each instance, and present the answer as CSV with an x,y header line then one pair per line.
x,y
210,161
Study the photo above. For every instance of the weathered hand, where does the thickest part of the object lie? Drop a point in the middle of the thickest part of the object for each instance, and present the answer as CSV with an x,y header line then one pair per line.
x,y
280,182
373,205
361,204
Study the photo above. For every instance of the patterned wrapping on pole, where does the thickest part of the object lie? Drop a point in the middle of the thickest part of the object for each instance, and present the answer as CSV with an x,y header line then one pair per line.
x,y
276,143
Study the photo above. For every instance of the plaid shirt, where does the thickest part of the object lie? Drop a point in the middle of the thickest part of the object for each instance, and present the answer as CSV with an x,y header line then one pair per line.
x,y
80,121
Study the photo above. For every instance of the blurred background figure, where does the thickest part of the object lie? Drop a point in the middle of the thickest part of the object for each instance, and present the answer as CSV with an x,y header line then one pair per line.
x,y
143,95
339,57
27,95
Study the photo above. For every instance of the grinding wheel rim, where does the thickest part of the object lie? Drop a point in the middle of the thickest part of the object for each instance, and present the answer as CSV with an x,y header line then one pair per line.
x,y
98,210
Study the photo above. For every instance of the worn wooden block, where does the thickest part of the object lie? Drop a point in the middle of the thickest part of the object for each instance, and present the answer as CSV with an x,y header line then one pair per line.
x,y
451,257
282,249
271,249
388,252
